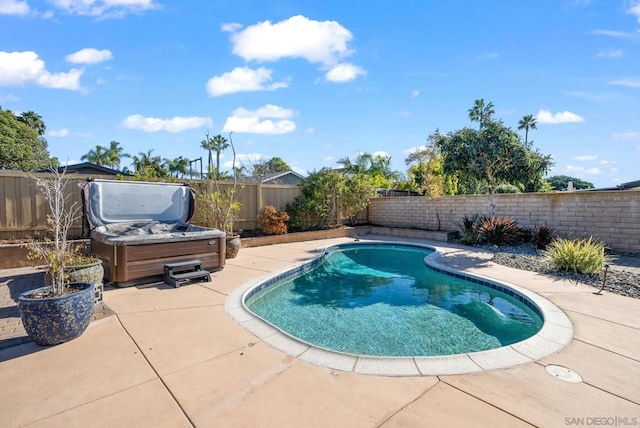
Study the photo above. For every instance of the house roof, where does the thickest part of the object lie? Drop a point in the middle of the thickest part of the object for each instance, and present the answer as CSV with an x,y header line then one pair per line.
x,y
630,185
276,175
99,169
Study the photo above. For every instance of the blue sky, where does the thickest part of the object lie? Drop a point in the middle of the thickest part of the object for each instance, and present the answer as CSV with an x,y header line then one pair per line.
x,y
316,81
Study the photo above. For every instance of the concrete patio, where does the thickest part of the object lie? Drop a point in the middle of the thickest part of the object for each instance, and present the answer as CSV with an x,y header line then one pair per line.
x,y
174,357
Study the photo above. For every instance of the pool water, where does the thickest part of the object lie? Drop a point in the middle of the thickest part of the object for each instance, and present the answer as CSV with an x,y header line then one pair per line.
x,y
383,300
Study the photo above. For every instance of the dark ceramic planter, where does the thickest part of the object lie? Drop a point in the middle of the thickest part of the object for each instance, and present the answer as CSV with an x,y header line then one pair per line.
x,y
92,272
233,246
54,320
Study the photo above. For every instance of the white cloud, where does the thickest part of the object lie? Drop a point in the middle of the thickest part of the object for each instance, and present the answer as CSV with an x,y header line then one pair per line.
x,y
610,53
175,124
380,154
578,169
243,79
310,130
586,158
89,56
415,93
619,34
344,73
58,133
546,117
414,149
297,37
104,8
633,82
22,68
634,9
260,121
14,7
230,27
626,135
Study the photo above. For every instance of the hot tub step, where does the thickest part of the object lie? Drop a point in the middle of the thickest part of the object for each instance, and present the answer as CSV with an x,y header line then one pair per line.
x,y
193,270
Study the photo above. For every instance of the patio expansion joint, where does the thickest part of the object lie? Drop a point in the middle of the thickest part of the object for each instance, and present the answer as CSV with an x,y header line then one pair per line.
x,y
607,350
602,319
409,403
486,402
164,384
148,311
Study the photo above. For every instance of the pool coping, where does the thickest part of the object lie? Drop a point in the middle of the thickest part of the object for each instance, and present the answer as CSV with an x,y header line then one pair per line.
x,y
557,332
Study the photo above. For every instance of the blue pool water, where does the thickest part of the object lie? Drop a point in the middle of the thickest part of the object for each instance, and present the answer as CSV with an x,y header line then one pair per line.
x,y
383,300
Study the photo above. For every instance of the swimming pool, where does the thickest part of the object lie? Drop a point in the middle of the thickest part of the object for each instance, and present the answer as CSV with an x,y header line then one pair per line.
x,y
382,300
556,332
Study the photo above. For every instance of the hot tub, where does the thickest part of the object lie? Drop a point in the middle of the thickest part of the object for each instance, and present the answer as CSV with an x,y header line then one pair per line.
x,y
138,227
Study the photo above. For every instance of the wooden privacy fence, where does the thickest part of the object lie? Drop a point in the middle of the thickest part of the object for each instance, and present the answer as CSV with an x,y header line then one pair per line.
x,y
23,211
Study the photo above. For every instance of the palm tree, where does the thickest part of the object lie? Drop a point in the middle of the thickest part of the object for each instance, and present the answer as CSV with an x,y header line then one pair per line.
x,y
98,156
177,166
527,122
115,153
480,112
33,120
219,144
207,144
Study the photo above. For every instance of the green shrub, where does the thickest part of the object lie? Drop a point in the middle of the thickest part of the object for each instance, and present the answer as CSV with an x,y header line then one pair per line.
x,y
542,236
273,222
500,230
470,229
577,255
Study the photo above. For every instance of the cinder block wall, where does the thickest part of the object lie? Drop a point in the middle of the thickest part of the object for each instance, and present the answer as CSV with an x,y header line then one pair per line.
x,y
613,216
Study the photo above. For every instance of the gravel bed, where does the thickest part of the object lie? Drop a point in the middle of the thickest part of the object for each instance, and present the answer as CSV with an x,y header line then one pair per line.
x,y
526,257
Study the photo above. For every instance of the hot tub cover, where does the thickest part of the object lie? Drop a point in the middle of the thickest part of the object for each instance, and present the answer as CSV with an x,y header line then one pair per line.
x,y
134,212
113,201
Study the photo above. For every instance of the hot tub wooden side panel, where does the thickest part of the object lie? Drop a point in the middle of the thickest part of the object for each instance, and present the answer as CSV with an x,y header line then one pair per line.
x,y
123,263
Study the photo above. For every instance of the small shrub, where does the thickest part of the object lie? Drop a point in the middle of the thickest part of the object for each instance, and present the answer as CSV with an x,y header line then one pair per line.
x,y
470,229
525,235
499,230
542,236
578,255
272,221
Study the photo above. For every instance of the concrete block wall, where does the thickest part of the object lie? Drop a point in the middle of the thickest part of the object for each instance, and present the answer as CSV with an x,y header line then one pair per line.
x,y
612,216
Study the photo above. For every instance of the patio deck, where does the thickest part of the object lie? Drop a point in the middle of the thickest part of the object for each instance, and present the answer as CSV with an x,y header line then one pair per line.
x,y
173,357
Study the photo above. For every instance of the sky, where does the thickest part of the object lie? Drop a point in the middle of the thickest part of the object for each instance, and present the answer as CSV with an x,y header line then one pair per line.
x,y
313,82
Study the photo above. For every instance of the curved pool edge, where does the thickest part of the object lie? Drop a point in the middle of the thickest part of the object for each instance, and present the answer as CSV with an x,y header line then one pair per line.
x,y
556,333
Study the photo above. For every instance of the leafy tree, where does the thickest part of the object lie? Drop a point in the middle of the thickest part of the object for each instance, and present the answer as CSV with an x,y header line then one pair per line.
x,y
376,166
481,112
527,122
357,192
33,120
148,166
115,154
494,154
426,175
274,165
99,156
561,182
317,206
177,167
20,146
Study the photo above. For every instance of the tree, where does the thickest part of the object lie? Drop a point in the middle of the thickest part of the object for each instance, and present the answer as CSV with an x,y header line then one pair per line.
x,y
376,166
527,122
261,170
177,167
148,166
481,113
219,145
561,182
20,146
99,156
493,154
357,192
115,153
34,121
426,175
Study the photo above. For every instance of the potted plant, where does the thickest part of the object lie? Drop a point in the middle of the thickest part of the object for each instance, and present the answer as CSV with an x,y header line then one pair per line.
x,y
59,312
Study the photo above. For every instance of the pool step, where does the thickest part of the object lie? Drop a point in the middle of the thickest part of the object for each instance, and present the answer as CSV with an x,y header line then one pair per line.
x,y
177,273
